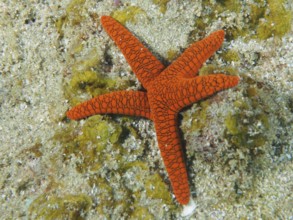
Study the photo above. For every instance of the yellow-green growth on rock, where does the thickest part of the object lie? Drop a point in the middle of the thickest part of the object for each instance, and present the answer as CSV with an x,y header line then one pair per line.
x,y
172,55
247,127
231,56
87,79
213,69
162,4
127,14
141,213
276,22
49,207
87,62
90,82
157,189
200,116
230,5
72,17
74,11
97,134
257,19
239,128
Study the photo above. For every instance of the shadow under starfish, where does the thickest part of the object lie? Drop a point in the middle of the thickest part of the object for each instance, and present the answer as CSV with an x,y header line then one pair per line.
x,y
168,90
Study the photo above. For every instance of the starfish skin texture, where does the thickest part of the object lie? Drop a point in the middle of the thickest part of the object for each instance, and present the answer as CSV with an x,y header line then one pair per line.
x,y
168,90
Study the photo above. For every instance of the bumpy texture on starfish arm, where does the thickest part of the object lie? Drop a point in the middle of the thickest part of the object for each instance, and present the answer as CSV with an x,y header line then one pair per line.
x,y
192,90
122,102
143,63
168,91
172,154
188,64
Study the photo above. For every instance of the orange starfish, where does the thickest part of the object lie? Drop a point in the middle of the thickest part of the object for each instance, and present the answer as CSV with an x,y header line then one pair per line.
x,y
168,90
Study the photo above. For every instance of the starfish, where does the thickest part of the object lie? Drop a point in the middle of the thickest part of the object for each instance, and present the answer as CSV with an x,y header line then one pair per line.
x,y
168,90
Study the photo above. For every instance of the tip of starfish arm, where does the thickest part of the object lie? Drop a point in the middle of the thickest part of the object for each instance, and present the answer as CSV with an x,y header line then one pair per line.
x,y
235,80
105,18
70,115
219,35
189,208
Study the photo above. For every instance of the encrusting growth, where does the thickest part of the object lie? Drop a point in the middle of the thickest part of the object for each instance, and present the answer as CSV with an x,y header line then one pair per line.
x,y
168,91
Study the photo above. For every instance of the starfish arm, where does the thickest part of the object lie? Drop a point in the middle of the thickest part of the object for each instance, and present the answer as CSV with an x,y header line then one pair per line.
x,y
143,63
188,64
133,103
171,152
193,90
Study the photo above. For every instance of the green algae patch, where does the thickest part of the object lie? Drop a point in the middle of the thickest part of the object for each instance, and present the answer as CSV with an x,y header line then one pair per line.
x,y
100,132
73,15
258,19
276,22
213,69
247,130
231,5
54,207
162,5
172,55
138,164
212,11
240,133
133,184
86,78
74,11
59,25
96,135
35,150
231,124
157,189
231,56
128,14
88,62
200,116
105,195
141,213
89,82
